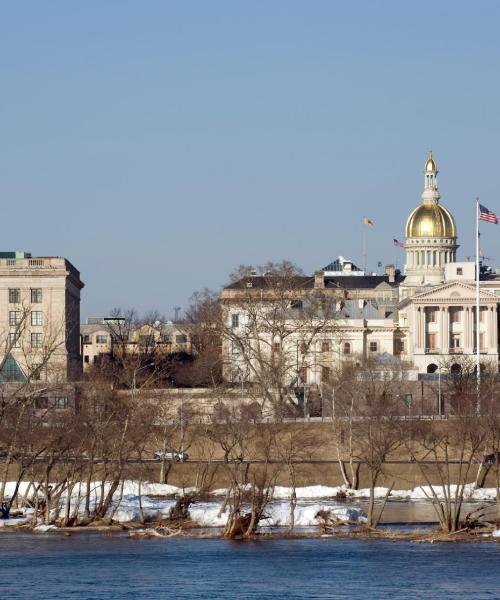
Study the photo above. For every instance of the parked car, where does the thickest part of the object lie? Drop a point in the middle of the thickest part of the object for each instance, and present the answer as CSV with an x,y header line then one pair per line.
x,y
171,454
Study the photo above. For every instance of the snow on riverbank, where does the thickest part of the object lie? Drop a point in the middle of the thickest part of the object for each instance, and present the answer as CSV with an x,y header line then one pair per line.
x,y
153,501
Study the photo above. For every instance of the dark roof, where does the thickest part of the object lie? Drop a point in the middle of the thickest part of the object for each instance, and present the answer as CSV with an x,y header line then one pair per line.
x,y
359,281
307,282
336,265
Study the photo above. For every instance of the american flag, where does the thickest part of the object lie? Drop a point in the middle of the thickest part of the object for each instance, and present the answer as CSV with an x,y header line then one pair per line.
x,y
487,215
398,244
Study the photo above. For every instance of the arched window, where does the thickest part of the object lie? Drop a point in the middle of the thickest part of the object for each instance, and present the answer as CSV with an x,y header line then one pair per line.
x,y
432,368
347,348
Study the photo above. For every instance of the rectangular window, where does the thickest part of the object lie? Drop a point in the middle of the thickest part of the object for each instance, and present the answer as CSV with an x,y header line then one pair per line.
x,y
399,346
36,372
103,339
86,358
431,341
373,346
60,403
14,317
42,403
235,320
325,346
36,340
455,342
325,374
460,271
456,315
36,295
432,315
14,296
482,342
14,340
86,339
36,317
181,339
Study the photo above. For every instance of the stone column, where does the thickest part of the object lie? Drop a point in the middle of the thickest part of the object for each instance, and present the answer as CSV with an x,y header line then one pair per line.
x,y
423,328
465,310
441,325
446,329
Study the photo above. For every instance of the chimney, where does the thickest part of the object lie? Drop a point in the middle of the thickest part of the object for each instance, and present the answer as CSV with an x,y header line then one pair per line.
x,y
390,271
319,280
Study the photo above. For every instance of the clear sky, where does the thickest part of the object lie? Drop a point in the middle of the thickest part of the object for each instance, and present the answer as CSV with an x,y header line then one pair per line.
x,y
158,144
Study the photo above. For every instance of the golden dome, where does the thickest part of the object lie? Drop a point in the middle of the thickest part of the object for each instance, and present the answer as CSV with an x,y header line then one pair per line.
x,y
431,221
430,163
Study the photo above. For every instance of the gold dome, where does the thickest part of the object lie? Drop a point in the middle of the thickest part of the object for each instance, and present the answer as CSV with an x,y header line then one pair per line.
x,y
431,221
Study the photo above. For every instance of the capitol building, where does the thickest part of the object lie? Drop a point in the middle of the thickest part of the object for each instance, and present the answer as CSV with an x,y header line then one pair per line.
x,y
421,321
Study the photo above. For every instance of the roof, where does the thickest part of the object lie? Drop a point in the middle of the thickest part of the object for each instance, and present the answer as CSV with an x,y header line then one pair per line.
x,y
307,282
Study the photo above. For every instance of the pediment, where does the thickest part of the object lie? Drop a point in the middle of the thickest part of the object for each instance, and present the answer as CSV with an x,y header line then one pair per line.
x,y
454,291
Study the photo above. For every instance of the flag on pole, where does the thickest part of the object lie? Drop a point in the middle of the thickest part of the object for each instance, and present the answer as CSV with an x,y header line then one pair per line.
x,y
367,221
398,244
487,215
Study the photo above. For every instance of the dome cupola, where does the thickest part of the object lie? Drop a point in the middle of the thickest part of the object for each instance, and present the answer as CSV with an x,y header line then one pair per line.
x,y
431,234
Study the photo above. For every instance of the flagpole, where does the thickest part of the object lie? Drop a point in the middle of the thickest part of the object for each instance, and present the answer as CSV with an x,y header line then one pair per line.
x,y
478,320
364,245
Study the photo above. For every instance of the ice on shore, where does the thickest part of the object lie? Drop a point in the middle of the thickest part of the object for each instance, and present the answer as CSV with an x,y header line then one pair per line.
x,y
158,499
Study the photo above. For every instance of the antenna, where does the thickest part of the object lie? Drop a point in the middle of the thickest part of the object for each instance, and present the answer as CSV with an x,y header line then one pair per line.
x,y
176,312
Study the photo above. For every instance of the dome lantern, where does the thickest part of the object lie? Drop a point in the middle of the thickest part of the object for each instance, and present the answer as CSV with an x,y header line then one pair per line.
x,y
431,234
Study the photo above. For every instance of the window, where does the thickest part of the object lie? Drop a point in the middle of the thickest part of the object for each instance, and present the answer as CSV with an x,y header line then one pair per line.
x,y
235,320
325,374
431,341
303,348
36,295
36,317
36,372
460,271
325,346
432,315
14,317
276,347
296,304
86,358
14,340
303,375
14,295
399,346
373,346
36,340
42,403
456,314
86,339
347,348
181,338
144,340
103,339
455,341
60,403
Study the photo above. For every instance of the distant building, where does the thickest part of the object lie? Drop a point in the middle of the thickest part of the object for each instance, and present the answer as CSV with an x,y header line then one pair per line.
x,y
108,336
420,322
39,318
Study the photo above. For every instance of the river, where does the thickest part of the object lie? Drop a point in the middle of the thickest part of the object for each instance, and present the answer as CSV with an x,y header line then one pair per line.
x,y
114,567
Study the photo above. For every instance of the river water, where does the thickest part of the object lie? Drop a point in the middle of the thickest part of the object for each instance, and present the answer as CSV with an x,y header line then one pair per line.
x,y
114,567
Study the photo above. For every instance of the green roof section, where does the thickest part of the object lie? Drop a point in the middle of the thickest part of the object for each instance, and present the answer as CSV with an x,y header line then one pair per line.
x,y
15,254
11,371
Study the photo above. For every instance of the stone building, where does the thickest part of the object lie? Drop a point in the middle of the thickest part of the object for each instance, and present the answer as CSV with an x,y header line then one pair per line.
x,y
39,318
105,336
422,320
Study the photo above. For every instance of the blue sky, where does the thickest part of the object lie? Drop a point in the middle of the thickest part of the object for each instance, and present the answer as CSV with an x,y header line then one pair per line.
x,y
158,144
